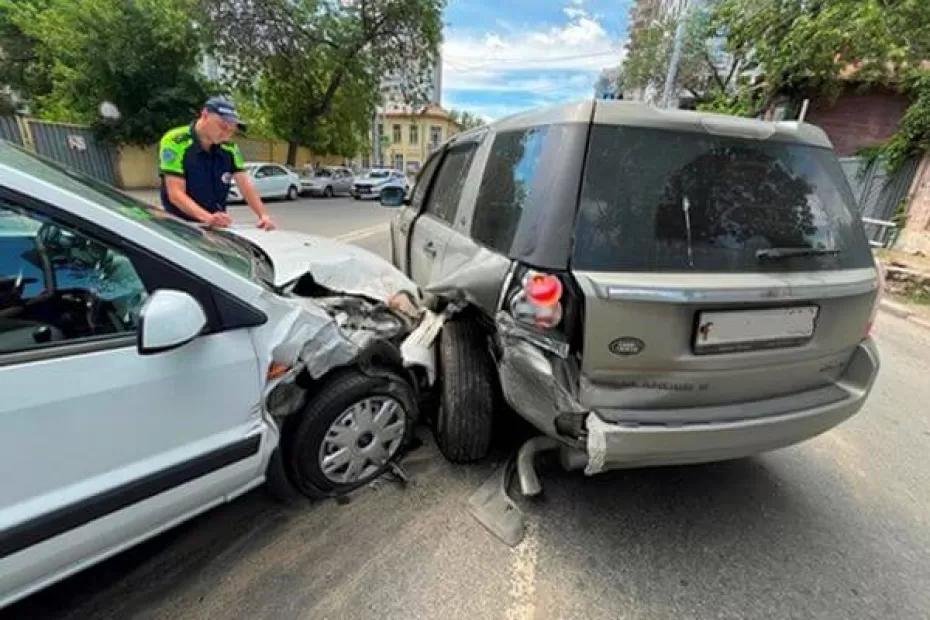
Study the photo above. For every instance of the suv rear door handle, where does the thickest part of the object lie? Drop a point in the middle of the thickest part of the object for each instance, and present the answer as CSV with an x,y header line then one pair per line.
x,y
430,248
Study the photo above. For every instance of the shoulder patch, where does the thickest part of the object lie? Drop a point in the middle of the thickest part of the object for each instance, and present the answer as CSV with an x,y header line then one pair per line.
x,y
168,156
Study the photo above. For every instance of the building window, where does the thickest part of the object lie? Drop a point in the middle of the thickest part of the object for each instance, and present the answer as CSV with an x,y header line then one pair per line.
x,y
414,134
398,161
396,134
435,137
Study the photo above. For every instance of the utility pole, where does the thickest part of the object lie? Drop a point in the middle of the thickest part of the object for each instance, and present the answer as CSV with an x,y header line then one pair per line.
x,y
668,93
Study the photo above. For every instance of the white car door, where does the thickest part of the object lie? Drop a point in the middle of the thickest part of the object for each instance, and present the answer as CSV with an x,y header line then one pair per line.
x,y
432,230
264,181
99,444
282,180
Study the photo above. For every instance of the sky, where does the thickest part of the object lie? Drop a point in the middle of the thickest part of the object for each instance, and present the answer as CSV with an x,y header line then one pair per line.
x,y
504,56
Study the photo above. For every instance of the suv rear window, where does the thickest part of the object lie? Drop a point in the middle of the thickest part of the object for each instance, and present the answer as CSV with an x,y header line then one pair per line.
x,y
679,201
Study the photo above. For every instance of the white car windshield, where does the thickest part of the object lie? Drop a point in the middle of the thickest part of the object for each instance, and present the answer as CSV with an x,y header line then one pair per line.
x,y
380,174
232,253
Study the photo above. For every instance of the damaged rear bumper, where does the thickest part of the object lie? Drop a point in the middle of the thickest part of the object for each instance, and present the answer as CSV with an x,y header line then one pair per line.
x,y
535,385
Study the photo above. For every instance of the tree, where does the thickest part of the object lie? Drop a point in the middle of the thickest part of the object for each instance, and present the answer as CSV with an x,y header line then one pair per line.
x,y
22,70
802,49
136,54
466,120
700,72
315,65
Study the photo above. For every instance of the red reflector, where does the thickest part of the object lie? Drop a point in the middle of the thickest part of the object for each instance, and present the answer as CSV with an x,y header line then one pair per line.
x,y
543,290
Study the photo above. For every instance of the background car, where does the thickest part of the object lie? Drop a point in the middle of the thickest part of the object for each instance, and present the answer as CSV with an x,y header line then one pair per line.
x,y
659,286
327,181
371,184
271,181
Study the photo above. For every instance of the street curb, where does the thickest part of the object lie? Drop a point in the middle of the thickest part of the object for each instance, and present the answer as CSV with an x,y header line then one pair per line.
x,y
903,312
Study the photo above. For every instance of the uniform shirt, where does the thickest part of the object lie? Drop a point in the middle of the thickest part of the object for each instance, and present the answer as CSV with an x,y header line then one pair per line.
x,y
207,172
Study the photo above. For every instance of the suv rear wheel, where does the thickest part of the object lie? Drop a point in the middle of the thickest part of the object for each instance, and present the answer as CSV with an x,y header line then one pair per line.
x,y
464,421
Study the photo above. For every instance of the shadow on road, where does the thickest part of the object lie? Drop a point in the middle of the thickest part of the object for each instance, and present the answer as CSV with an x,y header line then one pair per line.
x,y
750,538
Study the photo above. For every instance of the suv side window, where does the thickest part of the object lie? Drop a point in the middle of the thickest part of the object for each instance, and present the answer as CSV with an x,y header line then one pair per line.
x,y
58,286
450,180
506,186
423,181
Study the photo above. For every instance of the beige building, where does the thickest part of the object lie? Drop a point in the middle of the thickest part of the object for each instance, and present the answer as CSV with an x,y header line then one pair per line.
x,y
409,136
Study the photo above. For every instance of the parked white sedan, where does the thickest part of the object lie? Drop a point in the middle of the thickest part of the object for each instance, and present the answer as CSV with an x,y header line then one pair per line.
x,y
270,180
151,369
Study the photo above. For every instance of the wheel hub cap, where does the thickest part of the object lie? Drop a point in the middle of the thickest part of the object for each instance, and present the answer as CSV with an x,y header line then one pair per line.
x,y
362,439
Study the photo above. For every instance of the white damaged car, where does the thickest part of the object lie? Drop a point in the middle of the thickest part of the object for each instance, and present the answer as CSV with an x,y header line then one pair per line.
x,y
151,370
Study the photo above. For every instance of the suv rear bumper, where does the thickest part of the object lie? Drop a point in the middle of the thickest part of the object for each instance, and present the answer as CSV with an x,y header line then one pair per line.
x,y
612,446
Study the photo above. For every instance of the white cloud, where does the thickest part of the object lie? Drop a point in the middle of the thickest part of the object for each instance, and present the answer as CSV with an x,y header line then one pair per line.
x,y
526,67
581,44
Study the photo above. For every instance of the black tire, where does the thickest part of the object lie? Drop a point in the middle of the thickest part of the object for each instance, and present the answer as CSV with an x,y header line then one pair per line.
x,y
292,193
356,196
334,397
328,192
277,483
466,400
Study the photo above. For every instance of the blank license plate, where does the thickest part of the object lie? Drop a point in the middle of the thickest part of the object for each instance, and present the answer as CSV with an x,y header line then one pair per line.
x,y
747,330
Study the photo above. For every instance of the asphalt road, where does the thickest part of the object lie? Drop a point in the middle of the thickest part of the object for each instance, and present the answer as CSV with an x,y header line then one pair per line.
x,y
837,527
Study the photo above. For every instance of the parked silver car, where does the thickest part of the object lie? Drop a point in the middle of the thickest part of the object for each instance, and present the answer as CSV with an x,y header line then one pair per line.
x,y
327,181
270,180
371,184
657,286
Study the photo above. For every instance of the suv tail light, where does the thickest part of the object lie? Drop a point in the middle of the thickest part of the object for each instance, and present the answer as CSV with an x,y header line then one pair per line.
x,y
878,300
539,301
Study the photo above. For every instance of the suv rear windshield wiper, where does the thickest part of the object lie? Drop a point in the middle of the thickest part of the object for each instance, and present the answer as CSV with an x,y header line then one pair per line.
x,y
778,253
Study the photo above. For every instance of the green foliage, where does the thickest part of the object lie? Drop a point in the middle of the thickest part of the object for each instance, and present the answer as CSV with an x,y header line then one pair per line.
x,y
804,47
140,55
814,48
314,66
466,120
650,51
21,68
913,135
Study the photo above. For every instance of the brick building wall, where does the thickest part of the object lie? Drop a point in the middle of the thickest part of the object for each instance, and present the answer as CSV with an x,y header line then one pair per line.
x,y
856,120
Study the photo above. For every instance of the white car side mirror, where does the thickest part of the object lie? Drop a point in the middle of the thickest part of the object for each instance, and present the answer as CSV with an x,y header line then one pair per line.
x,y
168,320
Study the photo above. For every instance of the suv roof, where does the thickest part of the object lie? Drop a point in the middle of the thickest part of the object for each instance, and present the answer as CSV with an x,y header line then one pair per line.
x,y
635,114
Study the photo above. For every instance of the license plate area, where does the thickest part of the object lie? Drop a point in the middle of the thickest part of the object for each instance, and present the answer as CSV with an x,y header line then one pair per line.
x,y
728,331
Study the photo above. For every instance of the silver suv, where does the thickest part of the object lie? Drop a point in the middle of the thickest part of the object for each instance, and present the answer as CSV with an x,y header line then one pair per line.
x,y
647,287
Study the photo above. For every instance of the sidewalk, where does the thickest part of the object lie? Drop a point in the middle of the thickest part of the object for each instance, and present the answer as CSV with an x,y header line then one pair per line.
x,y
907,286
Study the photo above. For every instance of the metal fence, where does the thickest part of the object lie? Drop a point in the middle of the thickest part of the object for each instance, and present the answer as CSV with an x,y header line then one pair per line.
x,y
74,146
879,194
9,130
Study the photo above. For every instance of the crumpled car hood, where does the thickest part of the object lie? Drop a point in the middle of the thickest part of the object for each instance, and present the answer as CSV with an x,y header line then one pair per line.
x,y
338,266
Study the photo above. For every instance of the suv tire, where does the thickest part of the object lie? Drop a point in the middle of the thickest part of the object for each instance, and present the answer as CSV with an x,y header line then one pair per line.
x,y
330,402
466,399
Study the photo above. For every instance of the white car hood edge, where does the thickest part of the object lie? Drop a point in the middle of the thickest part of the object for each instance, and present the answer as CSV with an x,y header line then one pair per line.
x,y
338,266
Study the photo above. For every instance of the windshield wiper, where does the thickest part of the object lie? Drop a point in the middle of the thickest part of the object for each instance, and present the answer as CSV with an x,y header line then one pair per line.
x,y
779,253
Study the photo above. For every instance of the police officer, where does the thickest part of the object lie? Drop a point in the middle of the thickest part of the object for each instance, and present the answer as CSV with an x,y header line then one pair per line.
x,y
197,163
